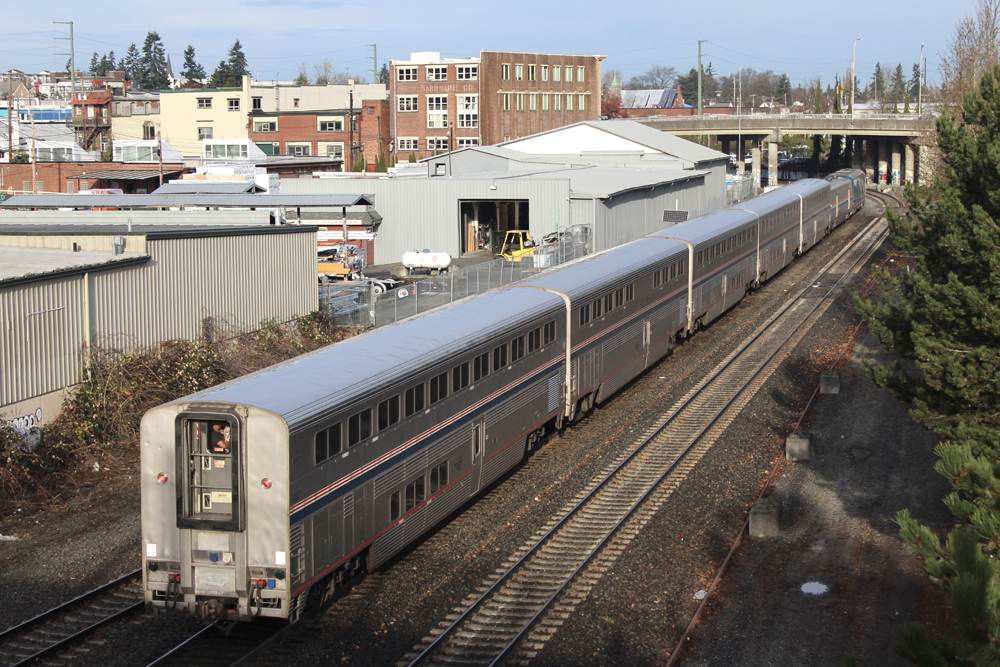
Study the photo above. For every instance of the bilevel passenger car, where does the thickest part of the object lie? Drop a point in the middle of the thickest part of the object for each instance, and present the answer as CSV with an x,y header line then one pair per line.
x,y
262,495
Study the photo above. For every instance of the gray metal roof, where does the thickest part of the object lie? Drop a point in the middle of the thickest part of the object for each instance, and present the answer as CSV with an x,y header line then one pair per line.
x,y
657,140
129,174
209,200
658,98
149,231
206,187
20,264
595,181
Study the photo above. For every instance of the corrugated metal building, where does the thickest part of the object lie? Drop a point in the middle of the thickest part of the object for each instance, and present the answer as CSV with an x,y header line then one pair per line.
x,y
62,287
620,181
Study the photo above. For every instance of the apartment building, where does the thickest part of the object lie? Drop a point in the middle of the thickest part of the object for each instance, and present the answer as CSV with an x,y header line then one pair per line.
x,y
498,96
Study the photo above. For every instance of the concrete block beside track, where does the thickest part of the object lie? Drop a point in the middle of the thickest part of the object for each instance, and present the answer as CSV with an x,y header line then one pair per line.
x,y
765,518
829,382
798,447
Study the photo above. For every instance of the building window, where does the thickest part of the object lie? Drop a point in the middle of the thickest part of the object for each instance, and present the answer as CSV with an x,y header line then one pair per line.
x,y
582,103
300,150
148,132
406,103
437,73
518,72
505,72
69,187
204,102
464,143
257,103
505,98
533,102
531,72
330,149
545,72
437,144
520,101
579,75
558,100
468,108
408,144
234,105
265,126
371,110
545,102
569,103
556,73
437,111
406,74
467,72
204,133
331,125
569,74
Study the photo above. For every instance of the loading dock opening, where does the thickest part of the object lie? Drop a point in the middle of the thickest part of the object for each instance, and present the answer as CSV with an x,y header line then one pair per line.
x,y
483,223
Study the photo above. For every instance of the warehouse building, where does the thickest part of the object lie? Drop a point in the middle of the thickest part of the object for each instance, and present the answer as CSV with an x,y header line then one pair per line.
x,y
619,179
67,283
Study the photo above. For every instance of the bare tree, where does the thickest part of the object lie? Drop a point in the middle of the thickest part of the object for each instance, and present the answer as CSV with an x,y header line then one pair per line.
x,y
655,77
323,71
974,48
303,78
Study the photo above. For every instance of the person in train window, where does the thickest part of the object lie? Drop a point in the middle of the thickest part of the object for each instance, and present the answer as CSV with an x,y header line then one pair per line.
x,y
220,438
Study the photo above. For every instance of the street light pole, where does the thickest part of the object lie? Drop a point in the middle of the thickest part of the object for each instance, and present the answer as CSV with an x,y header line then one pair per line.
x,y
920,76
854,78
699,74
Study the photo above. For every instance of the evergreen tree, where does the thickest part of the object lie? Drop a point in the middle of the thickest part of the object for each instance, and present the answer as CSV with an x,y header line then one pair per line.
x,y
820,104
944,317
154,64
383,75
915,81
193,71
783,90
689,87
878,82
237,65
94,64
838,94
111,61
898,87
221,76
131,64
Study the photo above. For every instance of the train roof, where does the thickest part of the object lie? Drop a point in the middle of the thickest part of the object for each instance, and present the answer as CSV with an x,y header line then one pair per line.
x,y
302,389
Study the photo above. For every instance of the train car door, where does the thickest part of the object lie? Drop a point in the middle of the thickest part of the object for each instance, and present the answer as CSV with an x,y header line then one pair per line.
x,y
360,517
478,442
647,337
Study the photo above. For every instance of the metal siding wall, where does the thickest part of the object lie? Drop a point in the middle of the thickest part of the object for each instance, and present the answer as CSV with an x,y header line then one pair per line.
x,y
186,217
423,213
41,337
133,243
630,215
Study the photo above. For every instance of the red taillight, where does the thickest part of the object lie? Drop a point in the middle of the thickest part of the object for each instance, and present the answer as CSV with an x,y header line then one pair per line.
x,y
161,478
266,483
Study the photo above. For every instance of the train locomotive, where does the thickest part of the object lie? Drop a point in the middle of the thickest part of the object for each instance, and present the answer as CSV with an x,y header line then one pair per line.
x,y
263,495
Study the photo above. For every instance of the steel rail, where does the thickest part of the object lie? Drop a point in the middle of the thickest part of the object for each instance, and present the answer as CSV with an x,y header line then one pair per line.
x,y
431,649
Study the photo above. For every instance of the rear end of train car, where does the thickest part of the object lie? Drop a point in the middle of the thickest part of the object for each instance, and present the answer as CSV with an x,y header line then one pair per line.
x,y
215,530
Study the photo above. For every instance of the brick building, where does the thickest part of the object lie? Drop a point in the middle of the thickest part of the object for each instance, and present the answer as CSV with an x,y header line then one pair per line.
x,y
323,132
495,97
71,177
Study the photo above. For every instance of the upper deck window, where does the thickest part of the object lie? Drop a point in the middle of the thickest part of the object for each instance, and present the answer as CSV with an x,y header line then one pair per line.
x,y
209,487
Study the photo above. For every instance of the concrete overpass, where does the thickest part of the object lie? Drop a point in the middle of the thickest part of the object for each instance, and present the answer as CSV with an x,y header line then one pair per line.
x,y
891,148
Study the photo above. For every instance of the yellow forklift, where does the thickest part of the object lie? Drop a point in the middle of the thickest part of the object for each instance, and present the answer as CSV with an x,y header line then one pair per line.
x,y
517,244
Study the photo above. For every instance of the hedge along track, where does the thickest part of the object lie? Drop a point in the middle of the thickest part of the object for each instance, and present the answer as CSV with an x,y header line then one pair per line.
x,y
513,615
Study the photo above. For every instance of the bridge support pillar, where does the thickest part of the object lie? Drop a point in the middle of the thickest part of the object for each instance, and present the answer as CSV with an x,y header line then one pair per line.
x,y
871,159
883,161
908,162
772,164
755,151
741,150
897,154
858,155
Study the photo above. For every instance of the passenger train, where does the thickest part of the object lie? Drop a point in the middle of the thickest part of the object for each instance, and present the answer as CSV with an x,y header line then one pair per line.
x,y
263,495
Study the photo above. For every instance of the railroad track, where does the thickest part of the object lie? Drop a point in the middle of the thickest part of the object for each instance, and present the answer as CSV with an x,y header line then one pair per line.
x,y
62,627
512,616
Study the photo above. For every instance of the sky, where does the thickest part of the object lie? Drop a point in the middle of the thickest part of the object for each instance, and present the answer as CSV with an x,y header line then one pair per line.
x,y
802,38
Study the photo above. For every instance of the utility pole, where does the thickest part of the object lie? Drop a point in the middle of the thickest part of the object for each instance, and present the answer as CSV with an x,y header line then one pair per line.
x,y
159,152
350,138
920,76
72,60
853,77
34,155
10,116
699,74
374,62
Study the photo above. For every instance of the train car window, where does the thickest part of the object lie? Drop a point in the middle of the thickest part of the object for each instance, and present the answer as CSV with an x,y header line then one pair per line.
x,y
619,297
657,278
584,314
439,388
460,377
517,348
359,427
595,308
534,339
328,442
629,292
439,477
211,485
500,357
607,304
388,413
394,506
414,399
414,493
549,333
480,367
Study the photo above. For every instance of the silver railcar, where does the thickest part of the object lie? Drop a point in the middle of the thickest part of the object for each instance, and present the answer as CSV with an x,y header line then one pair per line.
x,y
262,495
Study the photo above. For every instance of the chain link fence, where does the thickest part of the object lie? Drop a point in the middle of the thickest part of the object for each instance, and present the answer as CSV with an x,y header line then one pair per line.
x,y
740,188
348,304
